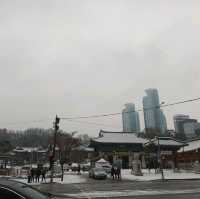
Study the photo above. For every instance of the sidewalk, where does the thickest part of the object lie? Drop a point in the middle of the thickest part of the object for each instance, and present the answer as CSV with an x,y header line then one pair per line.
x,y
73,178
168,175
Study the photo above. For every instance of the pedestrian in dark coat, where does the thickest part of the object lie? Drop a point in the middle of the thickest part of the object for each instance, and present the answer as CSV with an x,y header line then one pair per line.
x,y
32,175
79,169
113,172
43,175
38,173
29,176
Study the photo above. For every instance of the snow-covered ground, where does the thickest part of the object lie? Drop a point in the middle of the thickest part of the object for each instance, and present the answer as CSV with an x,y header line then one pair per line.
x,y
168,174
69,178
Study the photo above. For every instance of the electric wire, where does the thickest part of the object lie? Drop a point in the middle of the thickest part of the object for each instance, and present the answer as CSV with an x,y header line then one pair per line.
x,y
139,110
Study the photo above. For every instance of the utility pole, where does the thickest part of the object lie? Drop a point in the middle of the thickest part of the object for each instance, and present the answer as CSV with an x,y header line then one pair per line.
x,y
56,128
160,160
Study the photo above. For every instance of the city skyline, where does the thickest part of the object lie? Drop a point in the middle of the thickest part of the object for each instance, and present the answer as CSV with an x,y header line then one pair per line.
x,y
130,107
74,58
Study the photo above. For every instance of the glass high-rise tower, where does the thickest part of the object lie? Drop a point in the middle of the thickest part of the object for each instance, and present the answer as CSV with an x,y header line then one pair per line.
x,y
130,118
154,117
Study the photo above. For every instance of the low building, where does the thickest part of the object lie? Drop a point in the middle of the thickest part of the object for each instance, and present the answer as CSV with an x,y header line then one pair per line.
x,y
113,145
29,155
81,153
189,154
165,150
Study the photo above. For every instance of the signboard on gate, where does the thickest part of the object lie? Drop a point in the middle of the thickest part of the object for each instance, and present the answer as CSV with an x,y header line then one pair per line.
x,y
166,153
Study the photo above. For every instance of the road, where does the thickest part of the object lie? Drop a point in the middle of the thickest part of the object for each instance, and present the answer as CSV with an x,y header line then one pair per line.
x,y
115,189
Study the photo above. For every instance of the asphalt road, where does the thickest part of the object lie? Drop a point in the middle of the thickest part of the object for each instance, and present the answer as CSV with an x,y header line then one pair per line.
x,y
175,196
183,189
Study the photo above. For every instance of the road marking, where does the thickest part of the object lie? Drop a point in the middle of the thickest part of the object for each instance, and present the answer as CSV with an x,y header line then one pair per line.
x,y
111,194
82,192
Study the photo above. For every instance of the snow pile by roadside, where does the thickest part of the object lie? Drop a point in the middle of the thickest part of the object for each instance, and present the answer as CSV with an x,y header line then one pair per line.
x,y
168,174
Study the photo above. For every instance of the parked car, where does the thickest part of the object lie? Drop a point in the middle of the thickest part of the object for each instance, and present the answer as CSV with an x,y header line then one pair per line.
x,y
66,167
97,173
104,164
10,189
86,166
74,167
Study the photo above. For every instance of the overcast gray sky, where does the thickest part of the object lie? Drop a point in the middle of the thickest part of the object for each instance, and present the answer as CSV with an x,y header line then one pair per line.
x,y
85,57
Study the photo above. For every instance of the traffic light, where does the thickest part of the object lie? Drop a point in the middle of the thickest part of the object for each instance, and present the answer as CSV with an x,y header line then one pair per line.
x,y
56,123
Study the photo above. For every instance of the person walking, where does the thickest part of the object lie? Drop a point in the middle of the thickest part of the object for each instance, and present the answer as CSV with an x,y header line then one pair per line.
x,y
79,169
32,175
29,176
38,173
113,172
43,175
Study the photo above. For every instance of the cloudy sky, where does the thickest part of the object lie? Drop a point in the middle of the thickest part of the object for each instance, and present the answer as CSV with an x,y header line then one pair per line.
x,y
85,57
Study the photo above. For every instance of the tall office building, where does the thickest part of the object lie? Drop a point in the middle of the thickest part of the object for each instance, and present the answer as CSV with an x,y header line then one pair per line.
x,y
179,121
163,122
192,130
130,119
154,117
182,124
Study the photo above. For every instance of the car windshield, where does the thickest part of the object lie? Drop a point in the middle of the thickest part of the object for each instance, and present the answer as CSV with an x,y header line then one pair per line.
x,y
99,170
106,166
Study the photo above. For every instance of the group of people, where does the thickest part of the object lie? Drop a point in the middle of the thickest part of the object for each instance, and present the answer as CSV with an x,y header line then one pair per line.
x,y
35,173
115,172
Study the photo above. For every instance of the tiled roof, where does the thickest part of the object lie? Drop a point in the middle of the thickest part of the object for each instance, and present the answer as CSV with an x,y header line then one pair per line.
x,y
30,149
83,148
168,141
192,145
118,137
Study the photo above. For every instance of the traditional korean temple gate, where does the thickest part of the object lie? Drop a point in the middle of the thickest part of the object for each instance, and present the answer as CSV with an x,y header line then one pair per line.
x,y
113,145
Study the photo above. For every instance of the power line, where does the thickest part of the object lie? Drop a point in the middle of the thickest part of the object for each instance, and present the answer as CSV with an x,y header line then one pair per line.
x,y
101,115
93,123
139,110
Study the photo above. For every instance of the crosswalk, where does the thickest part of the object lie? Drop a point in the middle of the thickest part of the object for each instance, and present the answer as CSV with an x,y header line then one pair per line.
x,y
124,193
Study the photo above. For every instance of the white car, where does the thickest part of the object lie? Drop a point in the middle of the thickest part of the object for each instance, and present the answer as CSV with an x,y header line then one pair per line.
x,y
107,168
97,173
74,167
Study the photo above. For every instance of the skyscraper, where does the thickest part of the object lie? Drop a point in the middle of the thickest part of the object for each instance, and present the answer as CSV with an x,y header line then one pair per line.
x,y
154,117
163,122
130,118
180,122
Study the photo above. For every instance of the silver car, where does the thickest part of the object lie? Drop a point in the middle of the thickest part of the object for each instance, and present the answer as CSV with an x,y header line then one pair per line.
x,y
97,173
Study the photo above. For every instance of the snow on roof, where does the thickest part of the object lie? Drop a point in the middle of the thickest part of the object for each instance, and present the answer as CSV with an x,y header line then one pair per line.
x,y
29,149
84,148
192,145
118,137
102,161
168,142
